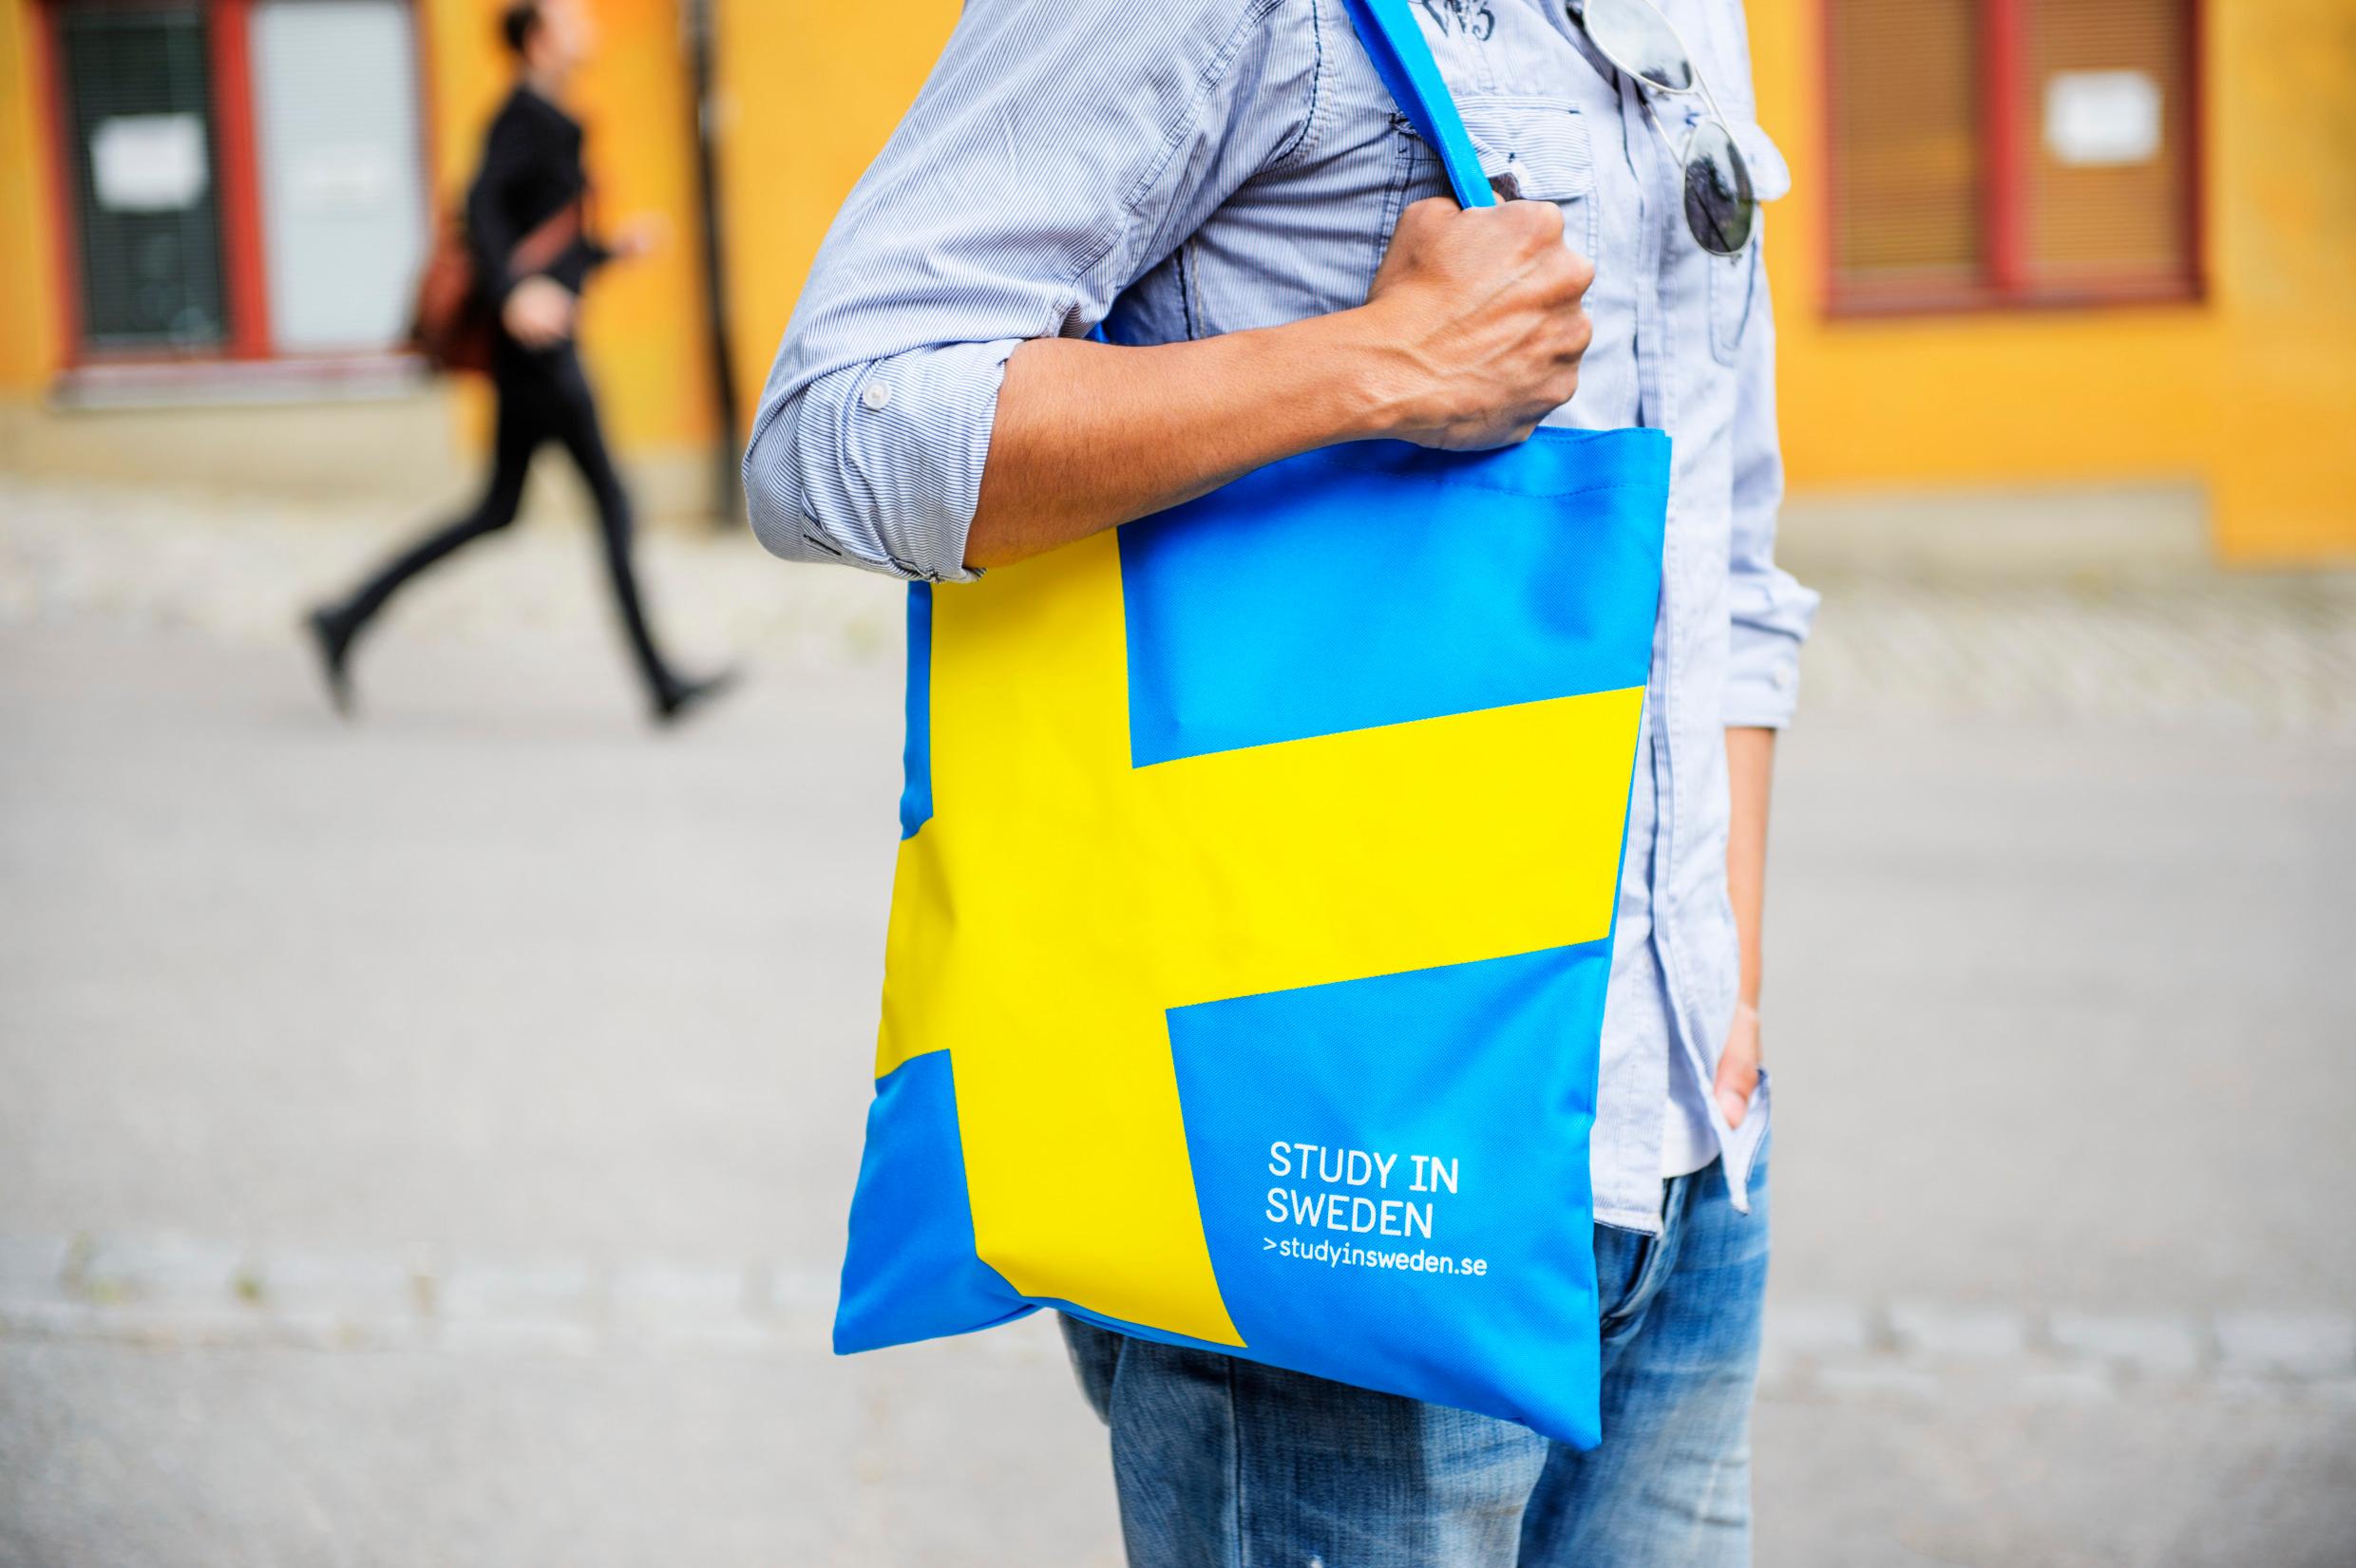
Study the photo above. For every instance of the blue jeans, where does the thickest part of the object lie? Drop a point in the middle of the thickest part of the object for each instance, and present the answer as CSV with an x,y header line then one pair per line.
x,y
1222,1463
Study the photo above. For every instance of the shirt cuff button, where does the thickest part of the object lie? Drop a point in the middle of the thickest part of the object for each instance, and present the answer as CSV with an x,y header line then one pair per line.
x,y
876,394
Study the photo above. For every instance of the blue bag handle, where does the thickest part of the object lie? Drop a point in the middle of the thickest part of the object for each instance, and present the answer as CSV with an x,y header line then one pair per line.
x,y
1404,62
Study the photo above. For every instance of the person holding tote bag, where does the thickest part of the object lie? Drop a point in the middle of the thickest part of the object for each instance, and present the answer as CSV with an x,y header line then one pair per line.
x,y
1334,397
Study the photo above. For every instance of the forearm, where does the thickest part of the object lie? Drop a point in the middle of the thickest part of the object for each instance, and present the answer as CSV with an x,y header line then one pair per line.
x,y
1089,435
1470,337
1750,768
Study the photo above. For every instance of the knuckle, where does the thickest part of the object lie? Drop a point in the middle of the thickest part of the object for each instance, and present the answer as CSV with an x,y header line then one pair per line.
x,y
1540,217
1565,276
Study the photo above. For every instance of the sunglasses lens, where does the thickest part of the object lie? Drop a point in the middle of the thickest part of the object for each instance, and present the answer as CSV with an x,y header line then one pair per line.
x,y
1640,40
1719,207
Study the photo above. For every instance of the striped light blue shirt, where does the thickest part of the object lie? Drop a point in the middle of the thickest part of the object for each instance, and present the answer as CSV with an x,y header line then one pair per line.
x,y
1189,167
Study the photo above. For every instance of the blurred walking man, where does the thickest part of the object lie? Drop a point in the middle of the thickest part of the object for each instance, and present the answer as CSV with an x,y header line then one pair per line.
x,y
1225,186
530,195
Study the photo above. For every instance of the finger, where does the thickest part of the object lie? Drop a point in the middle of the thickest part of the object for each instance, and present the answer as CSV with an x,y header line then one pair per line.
x,y
1542,219
1582,272
1431,209
1736,1079
1578,334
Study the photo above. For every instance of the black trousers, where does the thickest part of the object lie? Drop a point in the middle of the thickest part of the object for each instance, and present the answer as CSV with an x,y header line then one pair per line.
x,y
543,396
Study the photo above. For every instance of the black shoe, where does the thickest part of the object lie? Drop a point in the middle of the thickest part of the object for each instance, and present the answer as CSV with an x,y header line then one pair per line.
x,y
674,697
333,641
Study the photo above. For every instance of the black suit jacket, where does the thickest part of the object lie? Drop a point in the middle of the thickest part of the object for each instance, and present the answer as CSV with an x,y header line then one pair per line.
x,y
531,171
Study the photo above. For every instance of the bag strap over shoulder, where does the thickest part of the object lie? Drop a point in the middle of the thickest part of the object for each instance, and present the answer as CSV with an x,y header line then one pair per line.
x,y
539,250
1403,60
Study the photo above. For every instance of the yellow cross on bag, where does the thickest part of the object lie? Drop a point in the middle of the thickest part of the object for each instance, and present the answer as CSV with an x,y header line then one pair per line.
x,y
1086,896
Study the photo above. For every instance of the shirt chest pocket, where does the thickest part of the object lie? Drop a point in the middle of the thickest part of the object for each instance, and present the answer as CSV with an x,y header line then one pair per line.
x,y
1532,149
1735,280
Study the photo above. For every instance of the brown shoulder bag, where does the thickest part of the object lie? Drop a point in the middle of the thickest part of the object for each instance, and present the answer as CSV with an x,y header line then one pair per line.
x,y
452,324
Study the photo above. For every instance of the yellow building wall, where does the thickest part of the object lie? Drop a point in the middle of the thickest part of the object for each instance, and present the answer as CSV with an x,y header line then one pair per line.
x,y
2246,391
809,92
27,310
642,323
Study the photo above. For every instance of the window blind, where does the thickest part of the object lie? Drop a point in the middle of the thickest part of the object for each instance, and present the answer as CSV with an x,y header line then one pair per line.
x,y
1905,107
138,109
2108,144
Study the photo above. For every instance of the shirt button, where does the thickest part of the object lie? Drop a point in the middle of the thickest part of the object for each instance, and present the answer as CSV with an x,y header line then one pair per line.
x,y
876,393
1781,680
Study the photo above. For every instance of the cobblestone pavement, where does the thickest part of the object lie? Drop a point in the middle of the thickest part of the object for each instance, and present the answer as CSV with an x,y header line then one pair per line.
x,y
2270,652
237,568
425,1139
183,1292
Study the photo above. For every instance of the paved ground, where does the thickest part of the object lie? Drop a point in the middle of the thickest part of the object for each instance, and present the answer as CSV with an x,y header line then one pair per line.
x,y
427,1140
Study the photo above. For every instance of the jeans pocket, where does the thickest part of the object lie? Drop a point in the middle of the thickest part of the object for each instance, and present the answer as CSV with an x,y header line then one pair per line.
x,y
1623,1259
1764,1096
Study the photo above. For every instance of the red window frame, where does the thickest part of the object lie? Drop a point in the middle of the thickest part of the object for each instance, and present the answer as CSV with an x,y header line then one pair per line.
x,y
2006,281
238,174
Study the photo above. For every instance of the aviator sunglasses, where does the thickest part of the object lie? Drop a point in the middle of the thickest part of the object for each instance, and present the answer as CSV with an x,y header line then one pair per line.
x,y
1636,38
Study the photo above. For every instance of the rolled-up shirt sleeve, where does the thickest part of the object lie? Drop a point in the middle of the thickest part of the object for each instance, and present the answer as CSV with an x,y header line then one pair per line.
x,y
1055,153
1771,611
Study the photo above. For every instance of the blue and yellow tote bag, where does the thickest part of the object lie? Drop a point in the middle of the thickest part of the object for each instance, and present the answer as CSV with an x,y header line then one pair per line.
x,y
1254,907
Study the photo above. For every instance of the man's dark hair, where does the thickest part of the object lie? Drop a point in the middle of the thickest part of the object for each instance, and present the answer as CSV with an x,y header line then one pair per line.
x,y
518,23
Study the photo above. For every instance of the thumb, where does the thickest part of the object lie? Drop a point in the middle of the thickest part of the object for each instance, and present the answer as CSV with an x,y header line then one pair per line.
x,y
1732,1103
1738,1075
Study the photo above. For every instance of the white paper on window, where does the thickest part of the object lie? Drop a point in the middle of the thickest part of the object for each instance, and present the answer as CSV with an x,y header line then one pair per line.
x,y
148,162
2102,119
